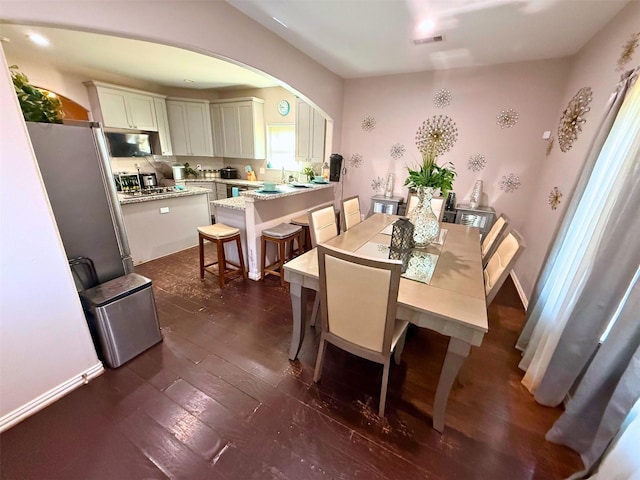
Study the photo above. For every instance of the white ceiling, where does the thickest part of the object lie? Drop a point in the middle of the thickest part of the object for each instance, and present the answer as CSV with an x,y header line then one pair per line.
x,y
88,54
361,38
353,38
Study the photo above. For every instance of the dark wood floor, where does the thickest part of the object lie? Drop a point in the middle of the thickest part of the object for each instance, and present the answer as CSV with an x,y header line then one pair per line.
x,y
218,399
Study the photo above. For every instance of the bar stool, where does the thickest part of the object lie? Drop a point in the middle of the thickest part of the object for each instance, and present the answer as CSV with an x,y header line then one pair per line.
x,y
280,235
303,221
220,234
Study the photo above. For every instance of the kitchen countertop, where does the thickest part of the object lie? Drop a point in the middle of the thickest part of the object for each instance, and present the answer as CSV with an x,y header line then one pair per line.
x,y
234,203
127,199
235,181
285,190
238,203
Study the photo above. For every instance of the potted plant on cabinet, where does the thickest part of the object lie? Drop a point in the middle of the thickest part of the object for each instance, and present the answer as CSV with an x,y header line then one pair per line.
x,y
37,105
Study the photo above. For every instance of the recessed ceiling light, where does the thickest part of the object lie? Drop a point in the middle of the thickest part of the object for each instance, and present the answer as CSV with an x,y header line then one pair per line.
x,y
38,39
427,26
280,22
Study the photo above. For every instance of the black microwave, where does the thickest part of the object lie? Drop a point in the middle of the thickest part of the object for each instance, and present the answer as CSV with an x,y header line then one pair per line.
x,y
129,144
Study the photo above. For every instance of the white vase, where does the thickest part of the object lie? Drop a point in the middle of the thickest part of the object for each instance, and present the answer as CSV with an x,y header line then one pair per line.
x,y
426,228
476,194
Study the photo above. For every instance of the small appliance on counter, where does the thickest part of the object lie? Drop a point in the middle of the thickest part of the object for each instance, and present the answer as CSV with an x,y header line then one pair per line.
x,y
229,173
148,180
127,182
335,168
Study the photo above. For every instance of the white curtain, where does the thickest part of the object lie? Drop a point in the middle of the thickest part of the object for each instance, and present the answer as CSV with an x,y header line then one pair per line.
x,y
607,391
568,278
622,461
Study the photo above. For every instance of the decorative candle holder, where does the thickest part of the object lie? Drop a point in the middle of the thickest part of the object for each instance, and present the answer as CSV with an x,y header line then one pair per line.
x,y
401,242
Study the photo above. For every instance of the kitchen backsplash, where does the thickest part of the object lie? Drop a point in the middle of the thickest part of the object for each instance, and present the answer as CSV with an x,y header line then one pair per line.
x,y
161,166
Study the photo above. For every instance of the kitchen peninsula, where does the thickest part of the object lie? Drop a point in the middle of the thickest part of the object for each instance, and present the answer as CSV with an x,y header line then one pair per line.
x,y
164,223
254,211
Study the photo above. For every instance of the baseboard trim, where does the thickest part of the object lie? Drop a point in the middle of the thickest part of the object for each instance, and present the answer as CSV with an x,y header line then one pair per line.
x,y
523,297
47,398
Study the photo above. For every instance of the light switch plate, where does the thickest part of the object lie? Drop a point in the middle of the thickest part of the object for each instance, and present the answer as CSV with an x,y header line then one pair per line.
x,y
262,171
164,209
546,135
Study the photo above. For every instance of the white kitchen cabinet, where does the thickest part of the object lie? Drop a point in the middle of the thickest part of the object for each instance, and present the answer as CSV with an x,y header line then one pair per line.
x,y
310,132
164,136
190,127
120,107
243,128
212,196
221,190
216,127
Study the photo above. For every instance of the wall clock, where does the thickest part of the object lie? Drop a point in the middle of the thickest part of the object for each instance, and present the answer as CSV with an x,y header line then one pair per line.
x,y
283,107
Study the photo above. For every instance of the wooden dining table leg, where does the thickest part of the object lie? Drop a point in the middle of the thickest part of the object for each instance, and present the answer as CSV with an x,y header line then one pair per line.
x,y
457,352
299,296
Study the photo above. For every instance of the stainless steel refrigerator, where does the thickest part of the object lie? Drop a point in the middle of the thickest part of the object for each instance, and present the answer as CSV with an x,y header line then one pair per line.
x,y
74,162
120,310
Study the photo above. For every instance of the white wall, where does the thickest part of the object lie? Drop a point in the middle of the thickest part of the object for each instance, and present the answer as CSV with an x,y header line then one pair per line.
x,y
595,66
400,103
45,345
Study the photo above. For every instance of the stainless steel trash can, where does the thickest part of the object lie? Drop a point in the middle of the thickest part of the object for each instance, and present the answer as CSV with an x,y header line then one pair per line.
x,y
122,317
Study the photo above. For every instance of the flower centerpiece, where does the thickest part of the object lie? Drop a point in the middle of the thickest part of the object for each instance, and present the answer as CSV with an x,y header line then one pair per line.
x,y
435,136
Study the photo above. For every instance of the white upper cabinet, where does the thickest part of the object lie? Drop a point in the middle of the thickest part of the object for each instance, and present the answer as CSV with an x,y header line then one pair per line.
x,y
242,127
216,126
120,107
310,133
190,127
164,136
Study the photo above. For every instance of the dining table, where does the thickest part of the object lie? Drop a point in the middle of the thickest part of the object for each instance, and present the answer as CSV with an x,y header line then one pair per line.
x,y
442,290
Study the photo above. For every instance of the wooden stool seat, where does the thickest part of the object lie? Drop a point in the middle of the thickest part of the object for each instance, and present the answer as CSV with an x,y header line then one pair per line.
x,y
280,235
303,221
220,234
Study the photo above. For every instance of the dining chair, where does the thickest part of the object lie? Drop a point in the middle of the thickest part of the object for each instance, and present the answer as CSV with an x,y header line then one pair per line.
x,y
501,263
437,205
361,321
322,224
350,213
322,228
492,239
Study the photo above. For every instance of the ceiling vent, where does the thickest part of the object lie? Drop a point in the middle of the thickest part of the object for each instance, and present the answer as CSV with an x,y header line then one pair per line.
x,y
420,41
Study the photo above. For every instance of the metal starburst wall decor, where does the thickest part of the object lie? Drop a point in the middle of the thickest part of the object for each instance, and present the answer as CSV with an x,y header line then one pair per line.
x,y
442,98
628,49
554,198
510,183
507,118
397,151
476,162
378,184
572,118
436,135
356,160
368,123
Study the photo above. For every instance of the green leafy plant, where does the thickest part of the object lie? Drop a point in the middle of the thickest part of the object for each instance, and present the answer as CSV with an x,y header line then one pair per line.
x,y
430,174
435,136
308,171
190,171
37,105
